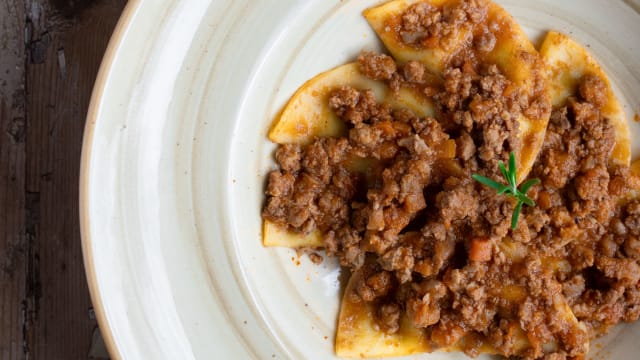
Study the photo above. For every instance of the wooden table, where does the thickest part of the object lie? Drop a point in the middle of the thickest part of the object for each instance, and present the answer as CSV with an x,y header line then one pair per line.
x,y
50,51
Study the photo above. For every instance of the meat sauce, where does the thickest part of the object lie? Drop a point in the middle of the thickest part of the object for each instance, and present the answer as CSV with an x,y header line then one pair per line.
x,y
436,245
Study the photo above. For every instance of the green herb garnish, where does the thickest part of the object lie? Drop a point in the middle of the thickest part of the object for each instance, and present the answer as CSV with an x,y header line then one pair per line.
x,y
511,189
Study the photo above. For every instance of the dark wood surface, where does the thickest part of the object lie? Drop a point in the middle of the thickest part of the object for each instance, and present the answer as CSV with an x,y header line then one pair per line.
x,y
50,51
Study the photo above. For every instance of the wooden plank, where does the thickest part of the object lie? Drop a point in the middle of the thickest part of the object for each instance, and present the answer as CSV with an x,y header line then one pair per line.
x,y
65,49
12,166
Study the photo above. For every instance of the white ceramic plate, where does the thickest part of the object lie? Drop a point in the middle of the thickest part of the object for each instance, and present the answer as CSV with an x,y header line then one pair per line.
x,y
175,156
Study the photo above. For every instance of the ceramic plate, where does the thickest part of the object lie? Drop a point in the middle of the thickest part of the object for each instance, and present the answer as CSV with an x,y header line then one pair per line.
x,y
175,157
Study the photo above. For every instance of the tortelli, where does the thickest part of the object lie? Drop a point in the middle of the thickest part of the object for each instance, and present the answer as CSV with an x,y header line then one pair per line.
x,y
375,165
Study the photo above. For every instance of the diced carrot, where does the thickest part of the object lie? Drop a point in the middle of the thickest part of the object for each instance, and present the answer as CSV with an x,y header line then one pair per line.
x,y
448,149
480,249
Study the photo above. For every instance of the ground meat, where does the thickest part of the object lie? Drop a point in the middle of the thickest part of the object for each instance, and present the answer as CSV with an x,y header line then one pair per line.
x,y
380,282
598,135
389,317
465,148
542,313
573,288
485,42
400,260
288,157
316,161
626,271
352,256
280,184
335,208
356,106
423,25
502,336
343,99
438,247
556,168
416,145
423,312
475,100
301,200
448,331
424,302
632,247
471,300
457,204
337,149
414,72
593,90
593,183
377,66
579,191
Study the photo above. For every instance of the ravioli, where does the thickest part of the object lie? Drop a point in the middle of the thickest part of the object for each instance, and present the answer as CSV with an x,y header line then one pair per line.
x,y
567,62
358,336
307,115
547,79
274,235
513,53
385,21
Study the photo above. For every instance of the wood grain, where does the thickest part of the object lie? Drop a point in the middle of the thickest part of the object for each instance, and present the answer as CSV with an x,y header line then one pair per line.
x,y
12,179
50,54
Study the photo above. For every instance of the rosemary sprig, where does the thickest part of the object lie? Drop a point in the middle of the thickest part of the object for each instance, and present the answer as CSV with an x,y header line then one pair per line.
x,y
511,188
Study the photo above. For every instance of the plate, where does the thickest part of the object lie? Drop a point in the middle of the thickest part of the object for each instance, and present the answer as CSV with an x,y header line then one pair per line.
x,y
175,156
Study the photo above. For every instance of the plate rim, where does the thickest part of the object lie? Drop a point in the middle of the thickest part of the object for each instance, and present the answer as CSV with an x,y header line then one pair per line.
x,y
95,104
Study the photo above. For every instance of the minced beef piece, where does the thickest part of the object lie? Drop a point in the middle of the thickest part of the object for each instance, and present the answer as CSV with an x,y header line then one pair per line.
x,y
593,90
424,303
355,106
573,288
400,260
316,162
593,183
465,147
485,42
377,66
457,204
288,157
312,187
389,317
414,72
280,184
